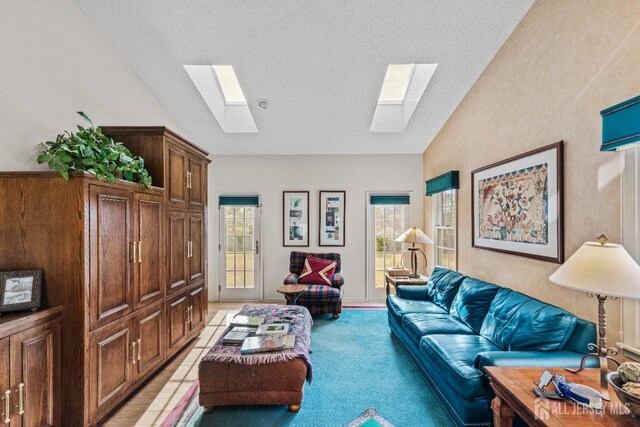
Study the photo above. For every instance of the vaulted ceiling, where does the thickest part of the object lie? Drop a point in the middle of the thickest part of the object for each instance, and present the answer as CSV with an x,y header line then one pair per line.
x,y
319,63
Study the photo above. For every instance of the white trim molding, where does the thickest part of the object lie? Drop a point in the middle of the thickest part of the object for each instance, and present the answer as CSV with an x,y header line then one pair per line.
x,y
631,241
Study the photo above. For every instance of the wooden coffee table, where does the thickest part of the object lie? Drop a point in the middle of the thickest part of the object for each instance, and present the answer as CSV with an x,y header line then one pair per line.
x,y
513,386
292,292
396,281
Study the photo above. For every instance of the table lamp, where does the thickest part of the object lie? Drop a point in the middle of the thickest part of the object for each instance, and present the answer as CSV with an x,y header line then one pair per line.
x,y
414,235
605,270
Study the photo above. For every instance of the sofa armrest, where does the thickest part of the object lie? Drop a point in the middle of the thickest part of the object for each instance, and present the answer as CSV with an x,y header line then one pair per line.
x,y
538,359
413,292
291,279
337,280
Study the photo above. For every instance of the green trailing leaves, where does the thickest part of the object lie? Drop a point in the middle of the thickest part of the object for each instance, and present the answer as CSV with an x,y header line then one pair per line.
x,y
89,150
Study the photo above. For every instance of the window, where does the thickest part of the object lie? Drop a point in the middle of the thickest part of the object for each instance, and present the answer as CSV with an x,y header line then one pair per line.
x,y
240,246
445,215
388,216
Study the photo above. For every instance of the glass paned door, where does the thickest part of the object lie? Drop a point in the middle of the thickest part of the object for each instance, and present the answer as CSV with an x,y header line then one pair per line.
x,y
240,254
385,222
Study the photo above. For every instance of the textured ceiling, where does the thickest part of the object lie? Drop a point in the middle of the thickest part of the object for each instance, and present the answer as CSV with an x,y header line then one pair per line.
x,y
319,63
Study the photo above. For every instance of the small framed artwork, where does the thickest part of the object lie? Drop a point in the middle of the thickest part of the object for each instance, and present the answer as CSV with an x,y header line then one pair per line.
x,y
295,218
20,290
517,205
332,218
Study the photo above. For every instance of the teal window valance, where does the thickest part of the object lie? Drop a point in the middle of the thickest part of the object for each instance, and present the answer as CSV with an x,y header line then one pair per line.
x,y
446,181
621,125
390,200
239,201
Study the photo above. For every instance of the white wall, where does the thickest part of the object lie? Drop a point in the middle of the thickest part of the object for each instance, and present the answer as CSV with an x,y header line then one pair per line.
x,y
268,176
54,63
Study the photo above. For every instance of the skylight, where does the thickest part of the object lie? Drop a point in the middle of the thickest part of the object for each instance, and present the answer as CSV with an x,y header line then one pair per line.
x,y
229,85
396,82
219,87
401,91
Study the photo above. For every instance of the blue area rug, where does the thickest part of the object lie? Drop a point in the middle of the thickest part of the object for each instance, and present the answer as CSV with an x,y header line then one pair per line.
x,y
357,365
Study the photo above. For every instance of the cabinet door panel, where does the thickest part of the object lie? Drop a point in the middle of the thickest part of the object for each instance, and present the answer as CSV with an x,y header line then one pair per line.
x,y
149,330
34,365
111,256
177,248
176,174
198,306
196,260
177,321
149,266
109,365
196,193
4,372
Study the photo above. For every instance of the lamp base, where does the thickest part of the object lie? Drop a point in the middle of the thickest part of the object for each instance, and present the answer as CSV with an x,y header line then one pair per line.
x,y
600,351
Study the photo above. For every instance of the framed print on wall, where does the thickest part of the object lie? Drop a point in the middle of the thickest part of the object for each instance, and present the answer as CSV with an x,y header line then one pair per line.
x,y
517,205
332,218
295,218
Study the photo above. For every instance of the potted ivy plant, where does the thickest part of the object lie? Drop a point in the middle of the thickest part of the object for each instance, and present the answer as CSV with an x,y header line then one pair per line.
x,y
89,150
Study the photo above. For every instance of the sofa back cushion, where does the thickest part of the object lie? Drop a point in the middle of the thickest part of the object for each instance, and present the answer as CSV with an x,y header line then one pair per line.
x,y
443,286
472,302
296,260
518,322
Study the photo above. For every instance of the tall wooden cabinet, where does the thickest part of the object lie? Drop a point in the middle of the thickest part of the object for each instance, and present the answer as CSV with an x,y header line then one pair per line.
x,y
30,369
116,257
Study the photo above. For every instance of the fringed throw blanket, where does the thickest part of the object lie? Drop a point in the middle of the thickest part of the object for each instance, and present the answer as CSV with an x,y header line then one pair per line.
x,y
301,322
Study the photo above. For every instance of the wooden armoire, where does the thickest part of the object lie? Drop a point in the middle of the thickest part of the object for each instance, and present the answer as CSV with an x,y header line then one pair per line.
x,y
126,263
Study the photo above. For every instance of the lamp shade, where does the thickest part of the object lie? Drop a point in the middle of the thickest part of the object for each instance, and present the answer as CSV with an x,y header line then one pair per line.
x,y
414,235
605,269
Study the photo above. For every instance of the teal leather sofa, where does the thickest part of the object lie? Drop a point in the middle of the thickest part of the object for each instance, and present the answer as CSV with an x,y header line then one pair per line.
x,y
456,325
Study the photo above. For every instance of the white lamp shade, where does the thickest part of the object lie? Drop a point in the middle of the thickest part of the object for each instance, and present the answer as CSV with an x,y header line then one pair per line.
x,y
414,235
600,269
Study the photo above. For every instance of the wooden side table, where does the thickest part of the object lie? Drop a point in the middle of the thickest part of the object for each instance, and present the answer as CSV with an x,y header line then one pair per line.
x,y
513,386
292,292
395,281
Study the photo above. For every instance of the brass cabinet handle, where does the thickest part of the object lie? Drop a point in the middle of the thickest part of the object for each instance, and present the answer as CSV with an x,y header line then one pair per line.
x,y
139,251
189,180
139,348
191,249
20,406
186,179
191,313
6,415
132,251
133,352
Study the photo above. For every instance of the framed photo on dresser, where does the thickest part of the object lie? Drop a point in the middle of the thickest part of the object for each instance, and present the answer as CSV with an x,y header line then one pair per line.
x,y
332,218
295,218
20,290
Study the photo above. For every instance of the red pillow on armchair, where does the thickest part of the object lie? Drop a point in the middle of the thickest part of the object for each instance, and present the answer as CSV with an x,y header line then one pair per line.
x,y
317,271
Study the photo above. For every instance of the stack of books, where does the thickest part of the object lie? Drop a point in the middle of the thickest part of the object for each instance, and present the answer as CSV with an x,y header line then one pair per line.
x,y
255,336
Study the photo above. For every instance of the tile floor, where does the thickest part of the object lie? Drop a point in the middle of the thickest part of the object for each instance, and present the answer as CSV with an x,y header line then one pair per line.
x,y
151,405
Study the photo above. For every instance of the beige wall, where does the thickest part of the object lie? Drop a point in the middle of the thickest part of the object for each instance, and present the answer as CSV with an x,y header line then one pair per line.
x,y
566,61
268,176
54,63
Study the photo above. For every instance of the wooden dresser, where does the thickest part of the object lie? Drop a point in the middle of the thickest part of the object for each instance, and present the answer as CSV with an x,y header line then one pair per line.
x,y
131,280
30,368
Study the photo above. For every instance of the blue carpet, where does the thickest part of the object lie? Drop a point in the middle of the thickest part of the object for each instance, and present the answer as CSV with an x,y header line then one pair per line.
x,y
357,365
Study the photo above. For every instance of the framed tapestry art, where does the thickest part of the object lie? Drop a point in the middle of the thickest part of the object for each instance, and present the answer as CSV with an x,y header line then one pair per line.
x,y
295,218
20,290
517,205
332,218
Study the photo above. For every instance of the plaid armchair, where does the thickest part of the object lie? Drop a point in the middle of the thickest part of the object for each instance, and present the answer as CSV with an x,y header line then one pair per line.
x,y
319,299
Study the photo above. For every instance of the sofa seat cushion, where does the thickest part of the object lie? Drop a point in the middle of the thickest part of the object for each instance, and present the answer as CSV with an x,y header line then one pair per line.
x,y
418,325
452,356
443,286
398,307
518,322
472,302
320,293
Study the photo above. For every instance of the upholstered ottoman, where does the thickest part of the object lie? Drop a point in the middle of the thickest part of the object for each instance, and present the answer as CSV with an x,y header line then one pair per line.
x,y
275,378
